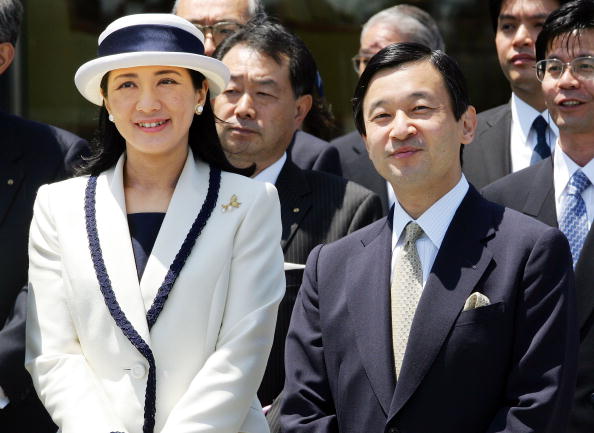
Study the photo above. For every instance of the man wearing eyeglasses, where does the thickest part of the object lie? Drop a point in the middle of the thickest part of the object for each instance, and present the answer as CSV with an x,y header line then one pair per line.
x,y
558,190
218,19
515,135
401,23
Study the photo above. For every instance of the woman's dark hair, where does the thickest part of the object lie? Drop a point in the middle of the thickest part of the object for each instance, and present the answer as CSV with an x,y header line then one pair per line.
x,y
576,16
399,54
108,144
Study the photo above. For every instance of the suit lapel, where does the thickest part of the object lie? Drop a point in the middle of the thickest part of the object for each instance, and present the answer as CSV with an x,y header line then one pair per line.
x,y
185,204
295,199
452,279
496,151
116,246
584,279
368,297
540,202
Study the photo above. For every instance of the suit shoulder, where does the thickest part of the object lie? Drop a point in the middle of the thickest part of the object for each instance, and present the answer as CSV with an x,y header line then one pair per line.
x,y
329,182
513,186
486,119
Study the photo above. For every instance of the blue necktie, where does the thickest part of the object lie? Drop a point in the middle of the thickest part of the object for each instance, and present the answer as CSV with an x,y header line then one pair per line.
x,y
574,219
542,149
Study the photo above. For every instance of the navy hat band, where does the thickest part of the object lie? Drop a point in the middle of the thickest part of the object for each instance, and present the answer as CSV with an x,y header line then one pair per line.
x,y
150,38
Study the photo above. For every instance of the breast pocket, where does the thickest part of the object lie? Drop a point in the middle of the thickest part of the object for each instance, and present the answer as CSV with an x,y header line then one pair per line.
x,y
481,314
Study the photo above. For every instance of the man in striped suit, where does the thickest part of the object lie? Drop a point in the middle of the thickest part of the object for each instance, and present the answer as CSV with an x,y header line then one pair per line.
x,y
269,95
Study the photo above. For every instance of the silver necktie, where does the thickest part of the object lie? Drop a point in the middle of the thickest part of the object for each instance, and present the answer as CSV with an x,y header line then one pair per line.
x,y
406,289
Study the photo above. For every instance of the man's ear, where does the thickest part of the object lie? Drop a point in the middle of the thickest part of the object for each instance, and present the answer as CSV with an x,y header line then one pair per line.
x,y
6,56
469,121
302,106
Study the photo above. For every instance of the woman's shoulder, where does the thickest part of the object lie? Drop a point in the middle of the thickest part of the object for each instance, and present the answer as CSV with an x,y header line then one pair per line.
x,y
234,184
65,187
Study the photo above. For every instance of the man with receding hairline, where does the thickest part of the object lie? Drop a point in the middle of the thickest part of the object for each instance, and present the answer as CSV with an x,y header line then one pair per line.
x,y
218,19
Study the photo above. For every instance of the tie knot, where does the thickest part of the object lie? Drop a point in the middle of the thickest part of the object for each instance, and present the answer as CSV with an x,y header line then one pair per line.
x,y
540,125
412,232
578,183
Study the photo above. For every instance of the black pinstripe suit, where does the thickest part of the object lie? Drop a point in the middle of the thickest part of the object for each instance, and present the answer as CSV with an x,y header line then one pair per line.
x,y
315,208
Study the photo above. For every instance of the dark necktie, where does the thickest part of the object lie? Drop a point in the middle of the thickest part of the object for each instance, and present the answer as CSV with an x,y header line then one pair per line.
x,y
542,149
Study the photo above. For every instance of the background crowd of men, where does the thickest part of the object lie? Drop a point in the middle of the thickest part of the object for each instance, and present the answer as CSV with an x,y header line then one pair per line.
x,y
446,312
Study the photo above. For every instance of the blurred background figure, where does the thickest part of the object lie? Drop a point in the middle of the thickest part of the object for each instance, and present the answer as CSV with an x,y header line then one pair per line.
x,y
558,191
31,154
219,19
401,23
269,95
514,135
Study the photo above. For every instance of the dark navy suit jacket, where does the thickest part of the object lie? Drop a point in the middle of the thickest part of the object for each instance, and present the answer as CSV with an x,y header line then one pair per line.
x,y
506,367
31,154
531,191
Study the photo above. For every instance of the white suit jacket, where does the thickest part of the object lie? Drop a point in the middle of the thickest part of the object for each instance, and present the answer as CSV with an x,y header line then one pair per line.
x,y
210,342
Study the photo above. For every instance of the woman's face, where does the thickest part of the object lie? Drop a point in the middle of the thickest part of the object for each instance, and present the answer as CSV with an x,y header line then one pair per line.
x,y
153,107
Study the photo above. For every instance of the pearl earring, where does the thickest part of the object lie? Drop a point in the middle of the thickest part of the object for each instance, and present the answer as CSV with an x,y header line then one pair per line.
x,y
110,117
198,109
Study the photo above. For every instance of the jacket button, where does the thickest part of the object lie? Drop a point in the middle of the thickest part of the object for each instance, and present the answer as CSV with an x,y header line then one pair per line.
x,y
592,398
138,371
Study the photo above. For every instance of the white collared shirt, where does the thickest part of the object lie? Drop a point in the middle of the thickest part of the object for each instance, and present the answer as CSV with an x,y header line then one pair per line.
x,y
523,137
563,168
435,222
270,173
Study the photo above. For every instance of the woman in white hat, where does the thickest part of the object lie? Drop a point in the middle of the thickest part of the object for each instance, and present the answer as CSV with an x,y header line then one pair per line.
x,y
155,278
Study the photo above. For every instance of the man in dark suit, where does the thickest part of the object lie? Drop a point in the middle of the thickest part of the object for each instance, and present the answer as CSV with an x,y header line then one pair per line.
x,y
218,19
515,135
272,73
31,154
545,191
451,315
400,23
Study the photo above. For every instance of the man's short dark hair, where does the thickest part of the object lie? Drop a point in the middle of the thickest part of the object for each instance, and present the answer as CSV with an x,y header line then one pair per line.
x,y
575,16
399,54
275,41
495,9
11,15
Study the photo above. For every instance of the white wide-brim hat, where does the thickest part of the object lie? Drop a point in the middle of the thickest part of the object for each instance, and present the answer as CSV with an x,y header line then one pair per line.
x,y
149,40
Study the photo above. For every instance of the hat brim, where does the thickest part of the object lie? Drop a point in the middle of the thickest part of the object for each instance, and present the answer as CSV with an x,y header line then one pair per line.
x,y
88,77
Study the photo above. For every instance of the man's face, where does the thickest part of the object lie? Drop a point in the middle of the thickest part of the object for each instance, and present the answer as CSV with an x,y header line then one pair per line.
x,y
570,100
259,110
518,26
211,12
412,136
374,39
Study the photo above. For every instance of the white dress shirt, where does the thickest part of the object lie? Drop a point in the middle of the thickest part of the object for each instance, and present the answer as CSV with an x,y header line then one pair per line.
x,y
270,173
523,137
563,168
435,222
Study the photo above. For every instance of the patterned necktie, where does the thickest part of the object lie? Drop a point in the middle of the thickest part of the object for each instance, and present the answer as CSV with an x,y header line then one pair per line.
x,y
407,286
574,219
542,149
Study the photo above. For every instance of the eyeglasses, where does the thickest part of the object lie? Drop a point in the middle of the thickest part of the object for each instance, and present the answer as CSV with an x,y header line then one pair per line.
x,y
581,68
359,60
221,30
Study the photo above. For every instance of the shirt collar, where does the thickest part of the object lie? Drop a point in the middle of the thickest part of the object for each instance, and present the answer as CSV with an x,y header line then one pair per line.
x,y
435,220
564,167
270,173
524,115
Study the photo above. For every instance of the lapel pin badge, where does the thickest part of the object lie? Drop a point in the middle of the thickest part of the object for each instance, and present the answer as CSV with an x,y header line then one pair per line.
x,y
232,203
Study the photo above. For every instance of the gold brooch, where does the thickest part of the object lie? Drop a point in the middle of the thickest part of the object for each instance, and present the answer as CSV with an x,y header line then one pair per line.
x,y
232,203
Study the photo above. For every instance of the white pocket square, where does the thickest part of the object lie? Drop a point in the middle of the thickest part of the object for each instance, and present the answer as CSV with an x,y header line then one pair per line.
x,y
476,300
